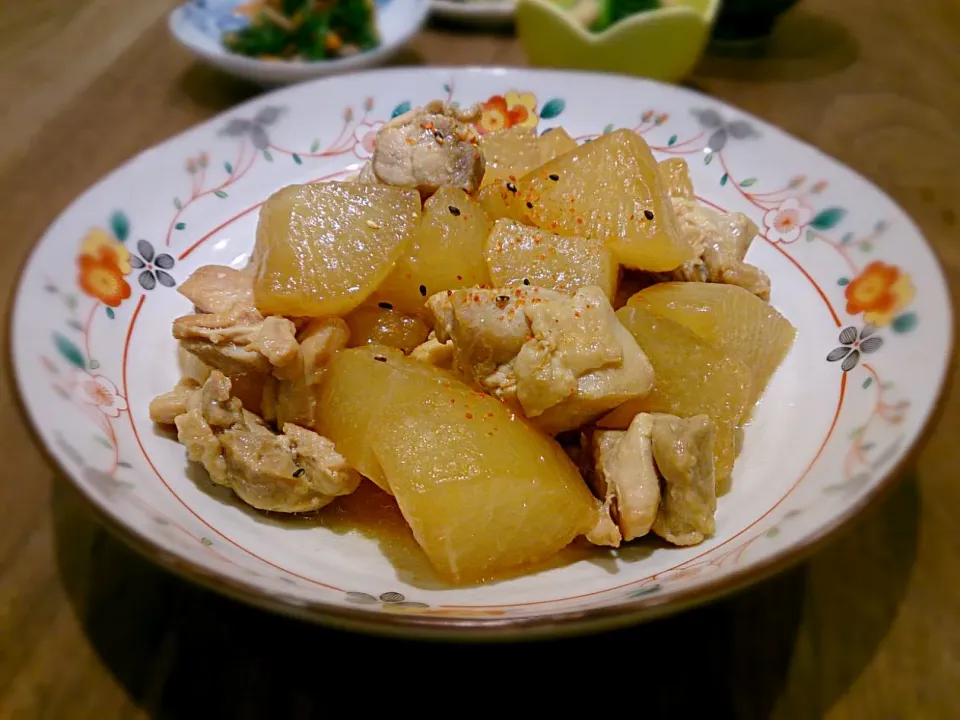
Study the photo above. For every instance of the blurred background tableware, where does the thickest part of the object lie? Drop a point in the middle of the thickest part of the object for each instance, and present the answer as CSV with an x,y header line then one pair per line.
x,y
741,21
646,38
475,13
205,27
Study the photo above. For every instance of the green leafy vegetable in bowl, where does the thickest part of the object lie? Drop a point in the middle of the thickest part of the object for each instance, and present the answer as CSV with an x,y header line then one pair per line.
x,y
598,15
306,29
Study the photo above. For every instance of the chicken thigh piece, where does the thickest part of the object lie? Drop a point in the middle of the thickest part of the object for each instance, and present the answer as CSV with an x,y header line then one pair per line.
x,y
217,288
683,452
428,148
621,472
656,475
721,241
293,471
560,360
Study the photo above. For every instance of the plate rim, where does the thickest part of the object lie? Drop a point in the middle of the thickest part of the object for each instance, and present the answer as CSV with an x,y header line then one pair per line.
x,y
564,623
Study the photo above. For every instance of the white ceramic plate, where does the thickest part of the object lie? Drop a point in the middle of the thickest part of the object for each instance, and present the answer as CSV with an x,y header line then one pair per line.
x,y
850,270
199,24
474,12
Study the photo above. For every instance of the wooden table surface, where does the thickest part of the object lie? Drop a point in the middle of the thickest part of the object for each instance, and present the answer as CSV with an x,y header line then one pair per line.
x,y
869,628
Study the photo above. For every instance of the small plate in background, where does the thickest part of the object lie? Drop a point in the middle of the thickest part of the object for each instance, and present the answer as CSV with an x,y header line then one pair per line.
x,y
474,12
199,24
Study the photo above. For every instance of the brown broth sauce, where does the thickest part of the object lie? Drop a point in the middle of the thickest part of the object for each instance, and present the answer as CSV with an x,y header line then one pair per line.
x,y
373,514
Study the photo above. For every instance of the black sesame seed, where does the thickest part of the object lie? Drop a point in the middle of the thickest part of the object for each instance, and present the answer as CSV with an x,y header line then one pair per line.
x,y
526,281
379,358
454,210
648,214
511,187
438,135
423,290
298,472
385,305
554,177
530,205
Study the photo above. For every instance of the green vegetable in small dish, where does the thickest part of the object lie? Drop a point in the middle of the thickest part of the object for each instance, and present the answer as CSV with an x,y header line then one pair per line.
x,y
306,29
598,15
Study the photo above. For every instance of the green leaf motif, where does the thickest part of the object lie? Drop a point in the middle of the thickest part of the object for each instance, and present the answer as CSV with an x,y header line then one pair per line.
x,y
645,591
708,158
228,167
672,140
94,364
267,156
847,238
314,146
905,323
400,109
867,383
608,128
207,542
552,108
180,226
748,182
177,204
69,351
843,281
723,179
772,532
110,313
220,194
446,87
297,159
103,441
866,246
120,225
828,218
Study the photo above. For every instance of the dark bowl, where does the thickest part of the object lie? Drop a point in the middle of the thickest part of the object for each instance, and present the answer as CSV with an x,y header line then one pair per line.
x,y
746,20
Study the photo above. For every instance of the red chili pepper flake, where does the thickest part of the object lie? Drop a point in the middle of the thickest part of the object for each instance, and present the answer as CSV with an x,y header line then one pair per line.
x,y
410,141
543,257
453,401
554,177
459,277
576,314
580,221
423,289
476,155
469,416
553,224
632,217
379,358
476,298
385,305
490,414
409,276
454,210
648,214
537,240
